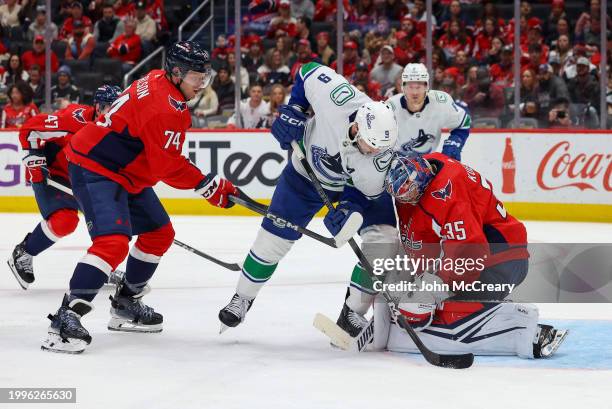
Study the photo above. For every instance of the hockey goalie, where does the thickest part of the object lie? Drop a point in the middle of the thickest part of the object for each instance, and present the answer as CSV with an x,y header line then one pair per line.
x,y
448,213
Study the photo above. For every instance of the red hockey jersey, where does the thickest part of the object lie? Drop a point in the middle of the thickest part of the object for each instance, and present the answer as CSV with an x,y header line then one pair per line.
x,y
458,216
51,132
139,141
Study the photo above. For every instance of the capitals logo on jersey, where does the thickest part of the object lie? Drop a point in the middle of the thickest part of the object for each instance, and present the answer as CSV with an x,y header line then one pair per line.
x,y
444,193
180,106
410,242
326,163
77,114
417,144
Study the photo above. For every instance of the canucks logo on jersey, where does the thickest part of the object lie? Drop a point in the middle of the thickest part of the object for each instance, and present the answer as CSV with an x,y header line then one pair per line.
x,y
423,143
327,165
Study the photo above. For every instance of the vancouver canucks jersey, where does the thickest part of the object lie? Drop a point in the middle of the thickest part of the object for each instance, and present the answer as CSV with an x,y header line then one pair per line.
x,y
334,158
420,131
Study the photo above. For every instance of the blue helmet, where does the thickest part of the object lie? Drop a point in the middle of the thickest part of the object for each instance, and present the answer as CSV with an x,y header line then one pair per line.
x,y
187,56
408,177
106,94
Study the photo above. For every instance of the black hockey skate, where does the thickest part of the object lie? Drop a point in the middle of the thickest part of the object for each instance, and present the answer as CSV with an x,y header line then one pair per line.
x,y
351,322
66,334
547,340
234,313
130,314
20,264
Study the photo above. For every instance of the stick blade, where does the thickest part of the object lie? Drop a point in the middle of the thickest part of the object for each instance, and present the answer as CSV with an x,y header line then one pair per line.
x,y
337,336
461,361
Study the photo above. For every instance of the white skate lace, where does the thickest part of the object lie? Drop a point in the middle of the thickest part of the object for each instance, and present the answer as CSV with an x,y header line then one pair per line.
x,y
70,321
238,306
24,262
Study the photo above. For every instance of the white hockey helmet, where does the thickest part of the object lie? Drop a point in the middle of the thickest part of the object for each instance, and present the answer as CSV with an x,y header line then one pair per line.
x,y
415,72
377,125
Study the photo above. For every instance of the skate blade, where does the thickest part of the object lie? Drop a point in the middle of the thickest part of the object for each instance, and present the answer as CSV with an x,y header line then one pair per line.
x,y
54,343
122,325
223,328
23,284
551,348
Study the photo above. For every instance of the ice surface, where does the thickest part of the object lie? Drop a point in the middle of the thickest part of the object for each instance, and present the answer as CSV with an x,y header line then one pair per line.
x,y
276,359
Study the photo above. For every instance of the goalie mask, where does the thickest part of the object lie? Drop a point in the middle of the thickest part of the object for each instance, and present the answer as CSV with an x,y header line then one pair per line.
x,y
408,177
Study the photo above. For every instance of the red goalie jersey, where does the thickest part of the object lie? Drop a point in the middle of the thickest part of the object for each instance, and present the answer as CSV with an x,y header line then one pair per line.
x,y
139,141
459,217
51,132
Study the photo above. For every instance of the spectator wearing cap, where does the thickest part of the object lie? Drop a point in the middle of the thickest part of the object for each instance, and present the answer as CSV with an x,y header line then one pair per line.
x,y
254,111
146,28
37,84
255,57
557,12
76,15
124,8
36,56
64,92
38,26
552,87
483,41
274,71
584,88
80,42
224,88
304,55
588,26
350,58
482,97
302,8
362,76
14,71
403,52
454,39
502,73
127,47
19,108
326,53
109,27
386,72
283,24
9,13
534,39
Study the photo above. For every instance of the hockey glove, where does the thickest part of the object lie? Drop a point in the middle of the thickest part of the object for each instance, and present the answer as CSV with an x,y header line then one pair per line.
x,y
344,221
289,125
217,190
454,144
419,306
35,163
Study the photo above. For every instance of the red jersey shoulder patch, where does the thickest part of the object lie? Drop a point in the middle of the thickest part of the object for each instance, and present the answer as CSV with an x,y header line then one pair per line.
x,y
77,114
179,106
444,193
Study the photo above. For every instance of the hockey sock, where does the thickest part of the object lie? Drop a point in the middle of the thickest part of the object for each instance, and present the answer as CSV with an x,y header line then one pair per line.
x,y
255,273
40,239
361,291
137,274
88,277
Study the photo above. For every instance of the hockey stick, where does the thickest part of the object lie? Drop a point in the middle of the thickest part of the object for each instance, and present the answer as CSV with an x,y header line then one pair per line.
x,y
230,266
245,201
459,361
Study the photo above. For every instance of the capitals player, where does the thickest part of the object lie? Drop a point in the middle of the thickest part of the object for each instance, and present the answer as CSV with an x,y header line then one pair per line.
x,y
348,143
422,113
113,165
448,211
42,138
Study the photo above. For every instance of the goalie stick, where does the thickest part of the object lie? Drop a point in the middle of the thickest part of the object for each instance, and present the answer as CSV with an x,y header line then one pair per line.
x,y
458,361
230,266
245,201
340,337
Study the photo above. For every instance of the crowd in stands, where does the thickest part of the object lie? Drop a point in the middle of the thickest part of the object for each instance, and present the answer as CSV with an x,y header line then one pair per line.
x,y
93,42
472,55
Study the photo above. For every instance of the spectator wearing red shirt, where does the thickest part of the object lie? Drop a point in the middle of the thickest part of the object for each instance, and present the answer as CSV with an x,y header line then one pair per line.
x,y
155,9
502,73
455,39
76,10
482,42
534,37
325,10
350,59
403,52
482,97
20,107
417,41
36,56
362,76
127,47
304,55
283,23
124,8
80,43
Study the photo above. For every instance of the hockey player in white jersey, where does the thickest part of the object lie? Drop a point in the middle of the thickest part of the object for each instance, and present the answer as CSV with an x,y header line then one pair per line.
x,y
422,113
348,142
